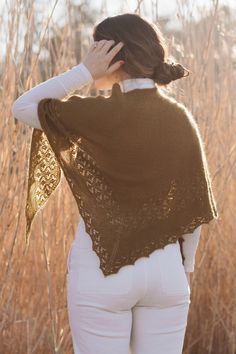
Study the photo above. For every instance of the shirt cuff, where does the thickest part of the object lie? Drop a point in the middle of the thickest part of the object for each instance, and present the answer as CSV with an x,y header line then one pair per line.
x,y
189,268
190,245
77,77
84,71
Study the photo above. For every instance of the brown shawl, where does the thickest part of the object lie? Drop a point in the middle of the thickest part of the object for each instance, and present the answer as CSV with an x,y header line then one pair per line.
x,y
135,163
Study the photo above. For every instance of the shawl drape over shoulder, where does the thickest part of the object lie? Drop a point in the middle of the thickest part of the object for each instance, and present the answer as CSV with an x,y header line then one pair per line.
x,y
135,163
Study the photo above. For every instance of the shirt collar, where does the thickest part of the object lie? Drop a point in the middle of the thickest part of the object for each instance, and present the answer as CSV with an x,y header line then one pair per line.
x,y
134,83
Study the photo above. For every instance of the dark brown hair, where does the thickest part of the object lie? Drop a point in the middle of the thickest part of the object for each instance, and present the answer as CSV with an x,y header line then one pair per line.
x,y
144,50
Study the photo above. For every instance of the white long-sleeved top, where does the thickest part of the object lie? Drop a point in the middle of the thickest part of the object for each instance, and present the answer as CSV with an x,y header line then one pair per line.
x,y
25,109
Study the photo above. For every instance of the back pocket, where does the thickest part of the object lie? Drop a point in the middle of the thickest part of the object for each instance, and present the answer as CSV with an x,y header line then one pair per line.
x,y
83,267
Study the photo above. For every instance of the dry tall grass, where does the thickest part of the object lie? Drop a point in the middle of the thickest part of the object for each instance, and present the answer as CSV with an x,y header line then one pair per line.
x,y
33,299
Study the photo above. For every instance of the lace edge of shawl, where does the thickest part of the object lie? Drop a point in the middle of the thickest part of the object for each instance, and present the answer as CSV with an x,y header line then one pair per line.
x,y
109,264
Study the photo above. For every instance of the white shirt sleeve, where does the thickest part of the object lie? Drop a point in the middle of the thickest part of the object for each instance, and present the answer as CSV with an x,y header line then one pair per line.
x,y
25,107
189,247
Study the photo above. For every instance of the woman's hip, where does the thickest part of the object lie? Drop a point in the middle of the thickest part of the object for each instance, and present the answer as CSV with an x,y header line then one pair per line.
x,y
162,272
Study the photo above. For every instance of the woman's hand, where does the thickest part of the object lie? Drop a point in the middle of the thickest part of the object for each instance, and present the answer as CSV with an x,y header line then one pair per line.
x,y
97,59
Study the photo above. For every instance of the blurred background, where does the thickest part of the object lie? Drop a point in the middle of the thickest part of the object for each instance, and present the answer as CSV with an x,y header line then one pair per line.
x,y
40,39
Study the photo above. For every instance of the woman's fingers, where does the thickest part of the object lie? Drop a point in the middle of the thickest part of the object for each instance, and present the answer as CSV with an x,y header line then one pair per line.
x,y
114,51
111,54
104,49
103,46
92,47
98,58
114,67
99,45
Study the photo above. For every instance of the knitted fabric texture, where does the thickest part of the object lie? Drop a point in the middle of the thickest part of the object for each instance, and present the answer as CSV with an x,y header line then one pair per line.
x,y
135,163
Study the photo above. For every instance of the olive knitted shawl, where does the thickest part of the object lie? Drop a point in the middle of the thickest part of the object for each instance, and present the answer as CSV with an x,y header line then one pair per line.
x,y
135,163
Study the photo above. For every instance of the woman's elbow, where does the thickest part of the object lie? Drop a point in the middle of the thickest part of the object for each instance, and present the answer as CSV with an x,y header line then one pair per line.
x,y
26,114
14,109
17,109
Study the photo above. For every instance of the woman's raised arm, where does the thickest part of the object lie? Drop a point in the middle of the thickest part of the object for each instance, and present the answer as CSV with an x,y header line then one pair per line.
x,y
25,107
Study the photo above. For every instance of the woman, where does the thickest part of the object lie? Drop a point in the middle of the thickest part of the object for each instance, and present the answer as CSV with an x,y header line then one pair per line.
x,y
135,164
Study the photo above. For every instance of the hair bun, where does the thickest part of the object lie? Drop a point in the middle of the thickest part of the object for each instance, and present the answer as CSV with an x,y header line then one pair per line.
x,y
165,72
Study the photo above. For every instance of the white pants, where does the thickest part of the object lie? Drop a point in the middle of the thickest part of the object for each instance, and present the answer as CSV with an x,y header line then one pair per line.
x,y
143,309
